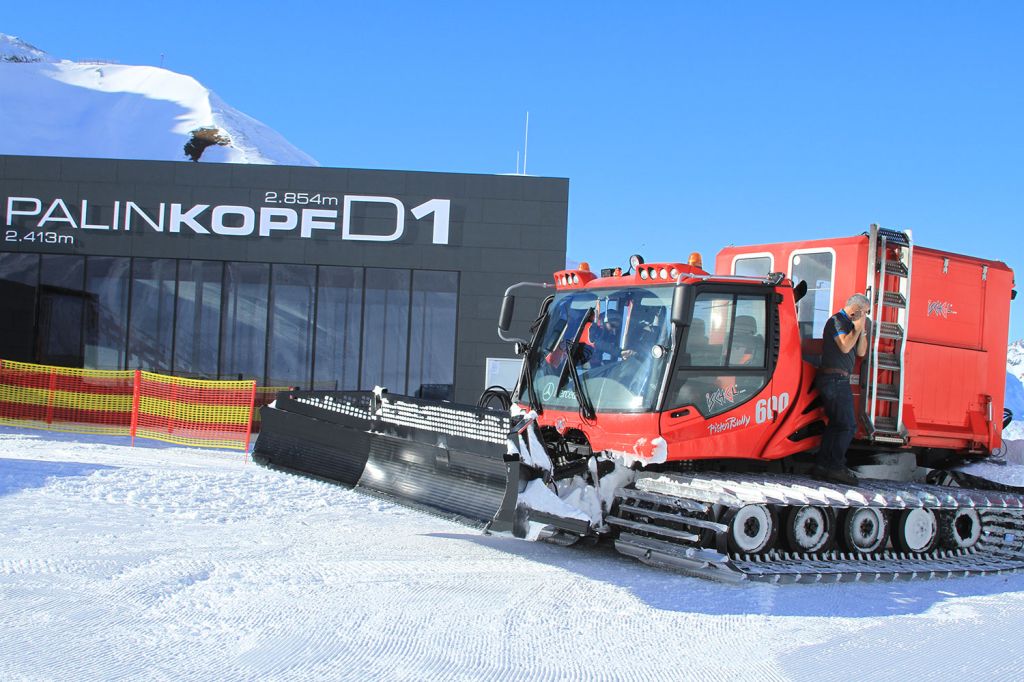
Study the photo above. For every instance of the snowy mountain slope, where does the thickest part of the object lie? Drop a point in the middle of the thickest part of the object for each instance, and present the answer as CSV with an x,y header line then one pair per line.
x,y
1015,390
1015,359
62,108
14,49
177,563
1015,403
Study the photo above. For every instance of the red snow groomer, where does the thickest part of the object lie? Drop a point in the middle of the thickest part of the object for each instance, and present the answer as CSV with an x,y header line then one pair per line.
x,y
673,412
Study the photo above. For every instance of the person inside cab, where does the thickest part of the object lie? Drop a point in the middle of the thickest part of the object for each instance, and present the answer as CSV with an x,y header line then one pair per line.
x,y
605,336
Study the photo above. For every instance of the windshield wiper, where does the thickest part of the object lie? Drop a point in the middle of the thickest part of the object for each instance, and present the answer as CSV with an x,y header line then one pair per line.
x,y
571,346
586,407
531,354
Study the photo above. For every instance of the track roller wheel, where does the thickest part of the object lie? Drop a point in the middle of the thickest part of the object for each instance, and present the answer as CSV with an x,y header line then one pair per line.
x,y
916,530
752,529
864,529
810,529
959,529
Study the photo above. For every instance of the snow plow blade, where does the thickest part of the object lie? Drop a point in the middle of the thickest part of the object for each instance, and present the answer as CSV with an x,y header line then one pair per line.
x,y
483,466
442,457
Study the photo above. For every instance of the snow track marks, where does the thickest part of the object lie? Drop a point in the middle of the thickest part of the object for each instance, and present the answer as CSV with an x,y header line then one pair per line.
x,y
194,565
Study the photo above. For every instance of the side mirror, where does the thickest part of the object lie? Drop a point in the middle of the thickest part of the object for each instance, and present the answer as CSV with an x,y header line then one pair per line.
x,y
508,307
799,291
679,306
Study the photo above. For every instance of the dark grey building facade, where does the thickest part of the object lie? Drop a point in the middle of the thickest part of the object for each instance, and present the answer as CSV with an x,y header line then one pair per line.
x,y
311,277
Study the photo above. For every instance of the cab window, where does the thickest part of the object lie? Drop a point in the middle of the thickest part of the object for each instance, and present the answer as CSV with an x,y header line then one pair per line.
x,y
752,266
814,309
723,362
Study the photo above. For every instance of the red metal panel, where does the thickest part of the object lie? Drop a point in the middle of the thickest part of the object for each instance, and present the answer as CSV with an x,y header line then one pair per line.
x,y
945,385
947,299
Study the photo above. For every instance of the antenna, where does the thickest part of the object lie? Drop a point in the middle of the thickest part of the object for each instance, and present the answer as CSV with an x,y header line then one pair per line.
x,y
526,141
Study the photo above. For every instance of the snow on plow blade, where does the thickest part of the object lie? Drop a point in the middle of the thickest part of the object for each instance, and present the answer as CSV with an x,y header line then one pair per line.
x,y
444,457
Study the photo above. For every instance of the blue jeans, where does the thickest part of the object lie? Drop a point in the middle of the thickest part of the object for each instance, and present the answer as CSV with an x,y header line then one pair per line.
x,y
837,399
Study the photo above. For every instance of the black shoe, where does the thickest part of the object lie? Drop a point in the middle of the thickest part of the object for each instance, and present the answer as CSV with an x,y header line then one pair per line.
x,y
837,475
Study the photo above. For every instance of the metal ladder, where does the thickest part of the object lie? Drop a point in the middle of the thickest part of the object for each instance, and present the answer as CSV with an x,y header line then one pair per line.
x,y
890,257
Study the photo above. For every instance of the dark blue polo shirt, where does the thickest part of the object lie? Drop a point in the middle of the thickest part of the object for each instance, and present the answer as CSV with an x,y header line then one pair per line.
x,y
831,356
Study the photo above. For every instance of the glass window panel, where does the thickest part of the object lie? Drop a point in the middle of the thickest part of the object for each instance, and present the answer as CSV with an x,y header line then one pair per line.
x,y
713,395
709,330
106,319
727,330
338,318
292,295
723,364
244,347
385,329
432,335
747,348
61,310
615,362
197,322
19,277
151,322
814,309
755,266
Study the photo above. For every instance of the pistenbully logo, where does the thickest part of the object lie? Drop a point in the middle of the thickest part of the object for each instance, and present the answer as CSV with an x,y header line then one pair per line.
x,y
728,424
941,309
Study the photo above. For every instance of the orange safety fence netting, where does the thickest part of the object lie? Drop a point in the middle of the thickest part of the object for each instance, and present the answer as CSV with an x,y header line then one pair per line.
x,y
194,411
66,398
175,410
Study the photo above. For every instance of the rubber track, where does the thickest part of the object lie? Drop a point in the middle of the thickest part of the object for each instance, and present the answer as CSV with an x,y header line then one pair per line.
x,y
688,500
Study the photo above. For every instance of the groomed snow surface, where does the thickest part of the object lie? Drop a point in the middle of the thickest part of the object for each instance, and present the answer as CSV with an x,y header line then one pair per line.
x,y
158,562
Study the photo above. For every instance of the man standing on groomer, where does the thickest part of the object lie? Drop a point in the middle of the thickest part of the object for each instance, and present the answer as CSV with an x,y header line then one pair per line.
x,y
845,334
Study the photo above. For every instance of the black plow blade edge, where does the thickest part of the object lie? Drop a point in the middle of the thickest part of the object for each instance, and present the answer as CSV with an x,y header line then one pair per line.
x,y
422,454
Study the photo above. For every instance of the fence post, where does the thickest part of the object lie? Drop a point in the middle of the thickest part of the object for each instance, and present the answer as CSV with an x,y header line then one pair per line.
x,y
51,396
136,391
172,408
248,429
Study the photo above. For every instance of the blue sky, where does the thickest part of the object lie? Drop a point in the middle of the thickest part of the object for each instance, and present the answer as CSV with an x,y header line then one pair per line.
x,y
681,126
